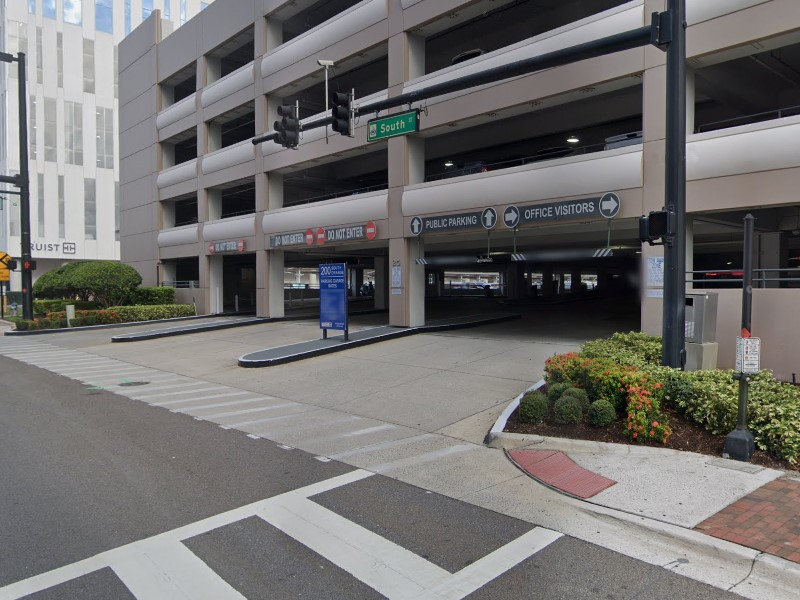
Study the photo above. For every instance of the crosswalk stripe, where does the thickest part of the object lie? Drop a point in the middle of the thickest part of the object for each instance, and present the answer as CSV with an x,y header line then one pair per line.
x,y
232,402
170,570
183,400
245,411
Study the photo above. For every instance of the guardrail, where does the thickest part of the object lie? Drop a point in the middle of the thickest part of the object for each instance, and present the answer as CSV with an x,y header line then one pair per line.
x,y
734,276
186,284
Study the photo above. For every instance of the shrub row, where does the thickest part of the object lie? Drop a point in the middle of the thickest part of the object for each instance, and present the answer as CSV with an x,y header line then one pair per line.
x,y
625,370
42,307
153,312
115,314
153,295
58,320
569,406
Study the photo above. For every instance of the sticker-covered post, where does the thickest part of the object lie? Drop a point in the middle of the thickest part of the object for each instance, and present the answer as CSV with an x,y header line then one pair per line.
x,y
740,443
333,298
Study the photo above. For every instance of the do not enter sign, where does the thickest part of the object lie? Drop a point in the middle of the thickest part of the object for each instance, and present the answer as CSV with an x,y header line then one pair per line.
x,y
320,236
309,238
370,230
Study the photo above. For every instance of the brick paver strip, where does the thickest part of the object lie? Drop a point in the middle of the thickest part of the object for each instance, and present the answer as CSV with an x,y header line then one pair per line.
x,y
768,519
558,471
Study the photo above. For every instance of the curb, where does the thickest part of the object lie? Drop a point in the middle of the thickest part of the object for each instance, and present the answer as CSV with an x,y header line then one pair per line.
x,y
496,432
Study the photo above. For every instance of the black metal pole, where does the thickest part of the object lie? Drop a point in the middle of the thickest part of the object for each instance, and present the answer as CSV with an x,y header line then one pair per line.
x,y
674,335
24,192
740,443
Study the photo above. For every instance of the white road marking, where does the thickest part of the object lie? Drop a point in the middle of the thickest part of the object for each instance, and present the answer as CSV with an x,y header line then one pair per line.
x,y
421,459
266,420
384,445
172,402
369,430
175,393
232,402
244,411
253,436
162,569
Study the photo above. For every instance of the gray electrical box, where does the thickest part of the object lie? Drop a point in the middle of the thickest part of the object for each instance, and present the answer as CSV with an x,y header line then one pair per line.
x,y
701,317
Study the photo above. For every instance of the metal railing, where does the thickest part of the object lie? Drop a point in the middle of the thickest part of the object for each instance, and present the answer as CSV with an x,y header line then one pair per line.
x,y
769,115
734,276
471,167
185,284
363,190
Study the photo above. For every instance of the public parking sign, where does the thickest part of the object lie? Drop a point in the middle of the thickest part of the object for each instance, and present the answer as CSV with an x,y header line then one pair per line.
x,y
333,296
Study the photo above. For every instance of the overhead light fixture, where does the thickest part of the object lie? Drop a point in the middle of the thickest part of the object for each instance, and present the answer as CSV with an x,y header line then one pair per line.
x,y
448,163
730,262
573,139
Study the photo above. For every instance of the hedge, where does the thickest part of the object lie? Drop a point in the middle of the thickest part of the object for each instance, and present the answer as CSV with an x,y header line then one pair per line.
x,y
106,281
625,370
42,307
153,312
153,295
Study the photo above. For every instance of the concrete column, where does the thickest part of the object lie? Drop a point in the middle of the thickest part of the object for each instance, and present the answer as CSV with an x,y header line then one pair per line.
x,y
274,34
274,292
213,69
690,100
381,282
407,302
262,274
275,191
214,265
214,136
214,205
773,253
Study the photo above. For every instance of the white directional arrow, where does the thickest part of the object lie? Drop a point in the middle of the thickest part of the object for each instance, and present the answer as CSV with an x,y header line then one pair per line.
x,y
609,205
489,218
416,225
511,216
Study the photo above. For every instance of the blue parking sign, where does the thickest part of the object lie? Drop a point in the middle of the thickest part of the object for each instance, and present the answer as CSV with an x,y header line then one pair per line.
x,y
333,296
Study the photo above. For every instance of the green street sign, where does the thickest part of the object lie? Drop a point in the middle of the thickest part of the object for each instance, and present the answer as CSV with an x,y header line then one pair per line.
x,y
386,127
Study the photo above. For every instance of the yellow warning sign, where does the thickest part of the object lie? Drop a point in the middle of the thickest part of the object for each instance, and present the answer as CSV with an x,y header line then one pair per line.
x,y
5,274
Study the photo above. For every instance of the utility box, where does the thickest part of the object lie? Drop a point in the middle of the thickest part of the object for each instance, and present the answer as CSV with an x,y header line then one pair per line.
x,y
701,317
701,330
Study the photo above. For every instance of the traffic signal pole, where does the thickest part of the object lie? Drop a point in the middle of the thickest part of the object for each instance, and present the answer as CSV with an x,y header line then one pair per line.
x,y
673,353
24,193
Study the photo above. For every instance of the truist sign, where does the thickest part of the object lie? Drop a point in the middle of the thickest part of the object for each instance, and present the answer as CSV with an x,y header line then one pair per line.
x,y
47,249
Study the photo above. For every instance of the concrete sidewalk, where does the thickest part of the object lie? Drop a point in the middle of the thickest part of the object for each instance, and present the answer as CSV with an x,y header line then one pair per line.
x,y
746,504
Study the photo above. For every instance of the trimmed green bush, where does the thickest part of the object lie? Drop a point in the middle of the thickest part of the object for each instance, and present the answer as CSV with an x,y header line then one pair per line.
x,y
555,390
567,410
152,312
634,349
580,395
602,413
107,282
42,307
153,295
533,407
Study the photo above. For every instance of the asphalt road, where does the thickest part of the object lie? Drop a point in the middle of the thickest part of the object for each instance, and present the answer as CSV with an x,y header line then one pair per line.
x,y
176,507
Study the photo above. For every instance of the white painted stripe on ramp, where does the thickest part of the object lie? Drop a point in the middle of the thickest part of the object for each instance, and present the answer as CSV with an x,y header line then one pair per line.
x,y
245,411
173,402
231,402
384,445
175,393
421,459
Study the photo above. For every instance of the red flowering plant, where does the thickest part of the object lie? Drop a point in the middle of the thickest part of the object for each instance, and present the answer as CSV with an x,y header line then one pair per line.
x,y
645,422
568,368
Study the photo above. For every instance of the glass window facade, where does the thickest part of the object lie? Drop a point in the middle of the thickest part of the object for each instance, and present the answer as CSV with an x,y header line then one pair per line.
x,y
31,7
17,42
183,12
60,58
34,149
50,138
61,211
116,210
166,9
49,8
39,51
147,8
73,130
127,17
104,16
40,207
88,66
13,214
90,209
73,11
105,137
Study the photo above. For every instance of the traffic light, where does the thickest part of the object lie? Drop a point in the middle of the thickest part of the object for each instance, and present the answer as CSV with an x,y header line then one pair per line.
x,y
654,226
343,112
12,264
28,264
287,128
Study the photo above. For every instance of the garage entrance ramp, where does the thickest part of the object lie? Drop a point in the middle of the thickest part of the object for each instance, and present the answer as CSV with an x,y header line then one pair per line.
x,y
294,352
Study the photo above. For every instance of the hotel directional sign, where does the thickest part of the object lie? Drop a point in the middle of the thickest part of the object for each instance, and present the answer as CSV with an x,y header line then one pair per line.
x,y
386,127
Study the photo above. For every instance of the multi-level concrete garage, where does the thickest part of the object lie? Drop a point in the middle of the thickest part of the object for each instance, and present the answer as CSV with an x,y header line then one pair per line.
x,y
527,189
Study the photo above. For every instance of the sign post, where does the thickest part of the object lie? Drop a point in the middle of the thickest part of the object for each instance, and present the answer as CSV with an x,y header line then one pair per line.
x,y
333,298
740,443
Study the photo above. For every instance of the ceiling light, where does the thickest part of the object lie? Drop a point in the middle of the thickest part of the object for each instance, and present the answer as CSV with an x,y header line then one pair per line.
x,y
448,163
573,139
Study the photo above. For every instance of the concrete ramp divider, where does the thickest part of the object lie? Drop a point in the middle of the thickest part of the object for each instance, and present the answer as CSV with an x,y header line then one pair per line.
x,y
283,354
